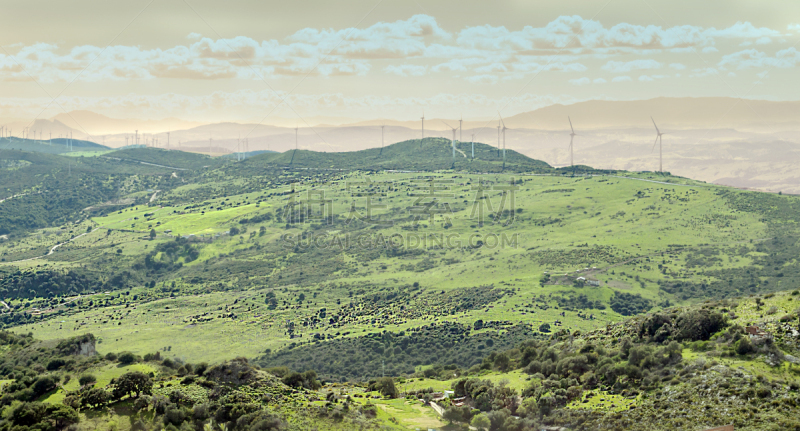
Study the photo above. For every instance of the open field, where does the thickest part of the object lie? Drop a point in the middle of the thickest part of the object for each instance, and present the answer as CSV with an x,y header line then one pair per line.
x,y
632,232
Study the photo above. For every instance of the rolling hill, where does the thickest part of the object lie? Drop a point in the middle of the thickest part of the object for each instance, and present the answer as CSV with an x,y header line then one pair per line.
x,y
54,146
415,155
564,296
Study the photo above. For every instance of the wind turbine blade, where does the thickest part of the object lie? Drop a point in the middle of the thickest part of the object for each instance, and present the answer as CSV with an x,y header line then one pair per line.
x,y
570,142
654,143
445,122
570,125
654,124
501,119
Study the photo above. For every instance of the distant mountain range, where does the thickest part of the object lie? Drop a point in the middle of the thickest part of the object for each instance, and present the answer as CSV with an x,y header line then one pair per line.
x,y
714,139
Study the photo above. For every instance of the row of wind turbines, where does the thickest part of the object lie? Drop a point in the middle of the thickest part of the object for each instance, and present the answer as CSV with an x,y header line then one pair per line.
x,y
501,127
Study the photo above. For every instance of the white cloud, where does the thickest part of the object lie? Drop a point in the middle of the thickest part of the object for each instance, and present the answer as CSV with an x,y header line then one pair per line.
x,y
623,78
743,30
483,79
645,78
753,58
406,70
580,81
703,72
622,66
599,81
677,66
558,46
793,27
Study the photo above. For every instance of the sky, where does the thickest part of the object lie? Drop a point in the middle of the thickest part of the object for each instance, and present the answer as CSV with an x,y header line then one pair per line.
x,y
249,61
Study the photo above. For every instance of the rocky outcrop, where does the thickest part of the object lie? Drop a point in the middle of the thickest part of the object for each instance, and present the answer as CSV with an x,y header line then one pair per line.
x,y
83,345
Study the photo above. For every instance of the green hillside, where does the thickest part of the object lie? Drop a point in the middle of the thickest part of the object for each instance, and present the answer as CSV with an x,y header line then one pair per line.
x,y
428,154
162,157
54,146
359,265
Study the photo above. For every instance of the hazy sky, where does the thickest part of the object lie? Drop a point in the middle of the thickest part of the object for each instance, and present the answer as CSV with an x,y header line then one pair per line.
x,y
236,60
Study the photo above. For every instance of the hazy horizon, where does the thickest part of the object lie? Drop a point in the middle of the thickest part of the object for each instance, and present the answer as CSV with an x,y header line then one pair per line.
x,y
203,62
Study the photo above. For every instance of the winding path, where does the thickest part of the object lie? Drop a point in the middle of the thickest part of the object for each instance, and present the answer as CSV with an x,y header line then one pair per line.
x,y
53,249
144,163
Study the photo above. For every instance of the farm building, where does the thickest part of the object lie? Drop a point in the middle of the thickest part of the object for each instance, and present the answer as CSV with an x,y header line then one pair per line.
x,y
587,281
757,333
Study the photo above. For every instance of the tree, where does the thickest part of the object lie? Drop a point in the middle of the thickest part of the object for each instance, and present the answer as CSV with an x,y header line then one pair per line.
x,y
152,234
387,387
744,346
62,416
43,385
86,379
95,397
135,382
501,362
544,327
126,358
481,422
26,414
529,407
457,414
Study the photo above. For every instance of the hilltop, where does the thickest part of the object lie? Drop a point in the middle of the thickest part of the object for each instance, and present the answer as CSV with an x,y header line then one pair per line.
x,y
428,154
54,146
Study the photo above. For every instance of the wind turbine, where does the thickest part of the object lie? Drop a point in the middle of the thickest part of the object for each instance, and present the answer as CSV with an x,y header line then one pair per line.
x,y
498,139
381,139
295,145
504,139
423,129
660,143
453,142
460,121
572,135
473,146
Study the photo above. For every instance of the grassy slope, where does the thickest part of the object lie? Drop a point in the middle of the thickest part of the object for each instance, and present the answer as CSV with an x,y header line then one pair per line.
x,y
158,156
650,225
437,154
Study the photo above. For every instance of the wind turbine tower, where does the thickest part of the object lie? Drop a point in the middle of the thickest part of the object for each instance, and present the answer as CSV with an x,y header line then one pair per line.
x,y
460,121
295,145
572,135
660,143
473,146
422,136
498,139
504,139
453,142
381,140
